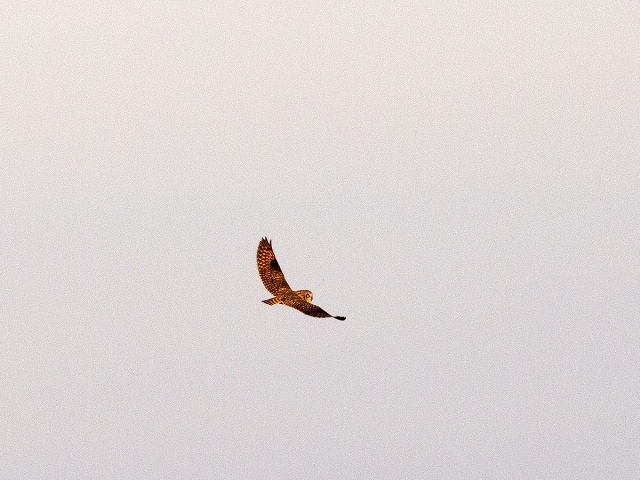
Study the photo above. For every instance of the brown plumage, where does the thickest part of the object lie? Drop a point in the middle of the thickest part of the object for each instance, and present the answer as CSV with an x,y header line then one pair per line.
x,y
274,281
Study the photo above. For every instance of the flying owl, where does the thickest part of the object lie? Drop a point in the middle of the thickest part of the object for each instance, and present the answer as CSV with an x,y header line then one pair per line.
x,y
274,281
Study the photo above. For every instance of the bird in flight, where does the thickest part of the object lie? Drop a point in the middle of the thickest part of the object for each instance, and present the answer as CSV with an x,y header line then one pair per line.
x,y
274,281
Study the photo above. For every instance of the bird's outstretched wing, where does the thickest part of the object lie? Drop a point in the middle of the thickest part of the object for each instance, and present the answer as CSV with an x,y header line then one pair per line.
x,y
311,309
268,268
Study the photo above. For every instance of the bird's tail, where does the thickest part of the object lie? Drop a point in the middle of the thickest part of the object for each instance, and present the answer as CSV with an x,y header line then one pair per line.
x,y
272,301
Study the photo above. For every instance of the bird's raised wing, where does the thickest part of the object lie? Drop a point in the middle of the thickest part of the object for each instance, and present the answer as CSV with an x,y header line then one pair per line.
x,y
268,268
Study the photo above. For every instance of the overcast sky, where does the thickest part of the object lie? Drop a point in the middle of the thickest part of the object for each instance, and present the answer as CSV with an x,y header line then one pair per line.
x,y
460,179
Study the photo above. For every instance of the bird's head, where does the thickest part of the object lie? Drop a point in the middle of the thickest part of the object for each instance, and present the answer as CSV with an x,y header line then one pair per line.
x,y
305,295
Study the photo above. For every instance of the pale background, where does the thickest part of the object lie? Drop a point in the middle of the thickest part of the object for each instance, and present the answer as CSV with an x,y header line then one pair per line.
x,y
461,179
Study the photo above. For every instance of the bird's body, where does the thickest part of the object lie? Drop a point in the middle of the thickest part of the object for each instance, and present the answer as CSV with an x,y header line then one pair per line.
x,y
274,281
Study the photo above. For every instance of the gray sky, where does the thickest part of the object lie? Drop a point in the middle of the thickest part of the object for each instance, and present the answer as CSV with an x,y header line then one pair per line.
x,y
461,180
